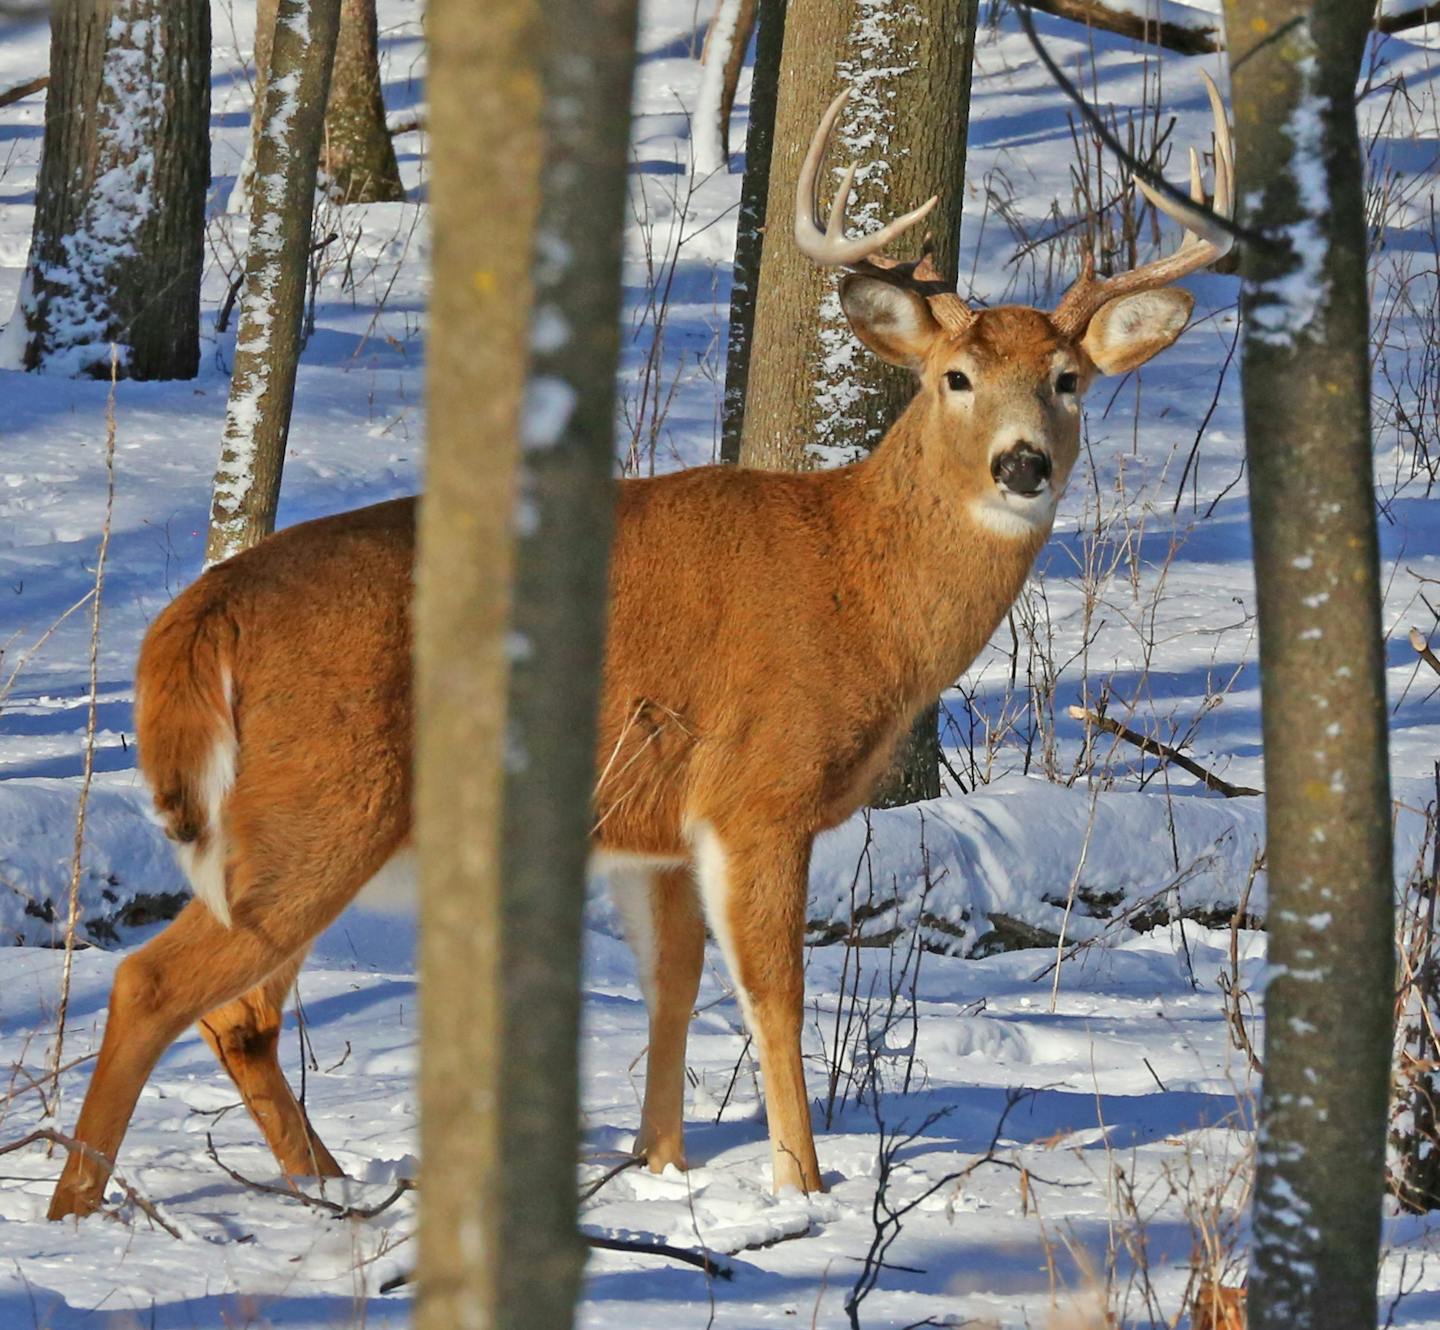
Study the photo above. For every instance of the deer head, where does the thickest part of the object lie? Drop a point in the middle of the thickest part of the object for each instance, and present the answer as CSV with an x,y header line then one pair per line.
x,y
1000,389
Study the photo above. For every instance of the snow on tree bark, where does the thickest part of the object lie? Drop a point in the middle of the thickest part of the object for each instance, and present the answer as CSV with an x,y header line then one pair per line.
x,y
814,396
267,344
117,246
1320,1155
821,398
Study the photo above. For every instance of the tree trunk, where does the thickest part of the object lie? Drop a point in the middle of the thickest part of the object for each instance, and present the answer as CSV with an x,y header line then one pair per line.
x,y
118,237
486,142
359,157
501,933
750,226
358,154
1328,1013
267,345
817,398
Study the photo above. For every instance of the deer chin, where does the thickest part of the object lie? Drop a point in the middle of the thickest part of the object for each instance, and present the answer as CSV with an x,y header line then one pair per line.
x,y
1017,516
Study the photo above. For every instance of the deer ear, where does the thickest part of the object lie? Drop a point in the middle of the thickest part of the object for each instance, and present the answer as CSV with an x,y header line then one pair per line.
x,y
1128,330
894,323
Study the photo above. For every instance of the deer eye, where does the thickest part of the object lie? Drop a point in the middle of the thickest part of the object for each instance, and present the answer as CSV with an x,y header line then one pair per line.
x,y
1069,382
957,382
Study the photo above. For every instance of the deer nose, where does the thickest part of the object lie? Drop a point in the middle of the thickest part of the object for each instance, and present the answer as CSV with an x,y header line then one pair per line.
x,y
1022,470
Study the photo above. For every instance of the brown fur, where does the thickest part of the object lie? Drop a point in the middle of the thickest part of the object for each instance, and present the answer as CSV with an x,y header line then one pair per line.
x,y
771,637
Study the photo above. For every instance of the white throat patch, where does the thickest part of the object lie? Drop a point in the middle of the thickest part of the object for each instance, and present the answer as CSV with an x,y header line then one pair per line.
x,y
1015,517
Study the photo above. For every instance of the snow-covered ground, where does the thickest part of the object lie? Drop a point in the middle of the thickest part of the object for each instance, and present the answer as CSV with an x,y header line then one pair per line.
x,y
1124,1152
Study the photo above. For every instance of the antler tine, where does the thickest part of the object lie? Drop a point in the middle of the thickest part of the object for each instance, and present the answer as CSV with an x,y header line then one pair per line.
x,y
1204,242
828,246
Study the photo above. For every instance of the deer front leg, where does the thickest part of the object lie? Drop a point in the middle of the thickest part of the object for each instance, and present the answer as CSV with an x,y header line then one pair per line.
x,y
754,892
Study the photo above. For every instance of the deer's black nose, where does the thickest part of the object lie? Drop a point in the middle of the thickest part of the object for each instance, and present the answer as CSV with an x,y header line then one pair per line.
x,y
1021,470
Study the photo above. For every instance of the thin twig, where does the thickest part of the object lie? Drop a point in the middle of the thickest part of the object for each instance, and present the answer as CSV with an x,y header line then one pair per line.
x,y
314,1202
1154,179
1162,750
35,1082
609,1175
95,1157
72,920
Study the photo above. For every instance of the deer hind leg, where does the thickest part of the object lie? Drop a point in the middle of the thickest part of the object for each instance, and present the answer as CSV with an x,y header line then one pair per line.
x,y
195,966
244,1035
665,929
754,897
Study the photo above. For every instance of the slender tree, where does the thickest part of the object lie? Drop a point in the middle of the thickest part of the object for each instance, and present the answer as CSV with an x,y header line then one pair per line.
x,y
1306,375
267,344
750,226
530,115
813,396
117,246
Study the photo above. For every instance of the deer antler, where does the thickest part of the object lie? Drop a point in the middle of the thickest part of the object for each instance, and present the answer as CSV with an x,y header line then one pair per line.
x,y
1204,241
824,241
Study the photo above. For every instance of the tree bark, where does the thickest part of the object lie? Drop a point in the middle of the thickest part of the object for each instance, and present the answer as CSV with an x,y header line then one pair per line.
x,y
359,157
750,226
819,398
1328,1006
514,86
267,344
118,239
358,154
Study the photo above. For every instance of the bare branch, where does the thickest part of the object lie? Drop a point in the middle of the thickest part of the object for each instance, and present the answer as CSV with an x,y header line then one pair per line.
x,y
1163,751
104,1161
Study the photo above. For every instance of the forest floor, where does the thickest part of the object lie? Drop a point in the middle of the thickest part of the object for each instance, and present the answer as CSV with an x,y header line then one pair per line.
x,y
1070,1120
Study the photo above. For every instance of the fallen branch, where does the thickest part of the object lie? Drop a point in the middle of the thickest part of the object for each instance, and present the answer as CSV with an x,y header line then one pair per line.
x,y
1393,23
1200,35
95,1157
1162,750
22,90
1421,646
700,1261
294,1193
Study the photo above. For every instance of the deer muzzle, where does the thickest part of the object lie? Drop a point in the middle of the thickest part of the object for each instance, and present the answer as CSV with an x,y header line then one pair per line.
x,y
1021,470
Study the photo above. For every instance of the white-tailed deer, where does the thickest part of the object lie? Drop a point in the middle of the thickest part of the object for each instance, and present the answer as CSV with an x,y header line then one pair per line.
x,y
771,636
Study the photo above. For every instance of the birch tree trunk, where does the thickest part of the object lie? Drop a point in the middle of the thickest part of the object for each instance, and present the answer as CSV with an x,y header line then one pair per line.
x,y
267,344
359,157
118,240
503,852
814,396
1328,1006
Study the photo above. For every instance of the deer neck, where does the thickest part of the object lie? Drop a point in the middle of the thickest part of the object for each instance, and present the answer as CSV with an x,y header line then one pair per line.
x,y
938,578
